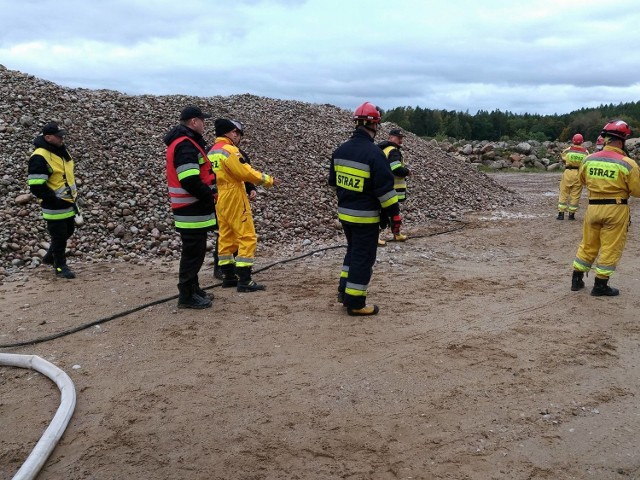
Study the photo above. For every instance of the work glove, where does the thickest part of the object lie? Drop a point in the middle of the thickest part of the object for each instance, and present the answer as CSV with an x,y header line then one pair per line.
x,y
396,223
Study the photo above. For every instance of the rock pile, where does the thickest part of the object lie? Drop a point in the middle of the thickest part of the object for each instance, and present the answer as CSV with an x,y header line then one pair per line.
x,y
116,141
514,155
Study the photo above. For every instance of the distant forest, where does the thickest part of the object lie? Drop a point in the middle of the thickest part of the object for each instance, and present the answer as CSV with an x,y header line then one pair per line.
x,y
497,125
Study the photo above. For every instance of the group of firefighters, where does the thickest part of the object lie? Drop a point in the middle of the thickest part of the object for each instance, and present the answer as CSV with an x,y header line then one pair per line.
x,y
210,188
208,191
611,177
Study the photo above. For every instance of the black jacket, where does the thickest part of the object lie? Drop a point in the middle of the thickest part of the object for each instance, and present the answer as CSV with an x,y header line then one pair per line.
x,y
39,166
395,155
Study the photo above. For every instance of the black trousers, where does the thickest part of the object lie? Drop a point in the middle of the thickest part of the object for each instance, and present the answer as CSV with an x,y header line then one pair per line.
x,y
362,248
60,231
194,249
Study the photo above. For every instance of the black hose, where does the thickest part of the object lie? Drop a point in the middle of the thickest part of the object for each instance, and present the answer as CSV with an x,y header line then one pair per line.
x,y
173,297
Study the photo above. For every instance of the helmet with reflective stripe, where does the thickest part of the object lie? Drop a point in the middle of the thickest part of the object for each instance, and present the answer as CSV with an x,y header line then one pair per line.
x,y
577,139
616,128
367,113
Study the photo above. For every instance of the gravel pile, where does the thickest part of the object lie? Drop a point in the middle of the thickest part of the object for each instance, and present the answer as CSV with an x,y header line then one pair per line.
x,y
116,142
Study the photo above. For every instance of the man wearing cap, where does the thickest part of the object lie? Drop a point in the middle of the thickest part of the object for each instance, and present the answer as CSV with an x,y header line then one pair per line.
x,y
191,182
391,149
52,180
235,221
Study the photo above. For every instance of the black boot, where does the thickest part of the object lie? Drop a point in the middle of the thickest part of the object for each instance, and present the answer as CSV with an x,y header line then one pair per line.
x,y
202,293
577,281
188,298
217,273
572,216
64,272
48,258
560,216
245,284
601,289
229,277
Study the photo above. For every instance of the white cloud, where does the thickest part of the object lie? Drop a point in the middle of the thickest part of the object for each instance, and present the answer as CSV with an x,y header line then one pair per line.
x,y
542,57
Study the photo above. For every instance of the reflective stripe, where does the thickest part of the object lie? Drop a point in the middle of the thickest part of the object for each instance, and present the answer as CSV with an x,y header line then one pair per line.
x,y
226,260
35,179
188,173
195,221
57,214
358,172
356,289
183,200
244,261
388,198
345,271
581,265
358,216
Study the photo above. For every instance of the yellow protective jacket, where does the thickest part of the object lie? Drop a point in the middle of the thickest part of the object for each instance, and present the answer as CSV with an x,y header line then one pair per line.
x,y
573,156
610,174
235,221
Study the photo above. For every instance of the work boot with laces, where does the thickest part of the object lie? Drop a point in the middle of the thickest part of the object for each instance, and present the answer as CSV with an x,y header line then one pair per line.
x,y
560,216
577,281
64,272
188,298
399,237
602,289
572,216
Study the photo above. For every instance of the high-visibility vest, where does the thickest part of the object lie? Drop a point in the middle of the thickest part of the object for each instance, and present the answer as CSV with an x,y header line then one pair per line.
x,y
180,197
61,180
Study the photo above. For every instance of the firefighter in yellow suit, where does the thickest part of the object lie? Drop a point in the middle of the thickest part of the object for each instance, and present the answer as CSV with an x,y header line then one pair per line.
x,y
235,222
611,177
570,186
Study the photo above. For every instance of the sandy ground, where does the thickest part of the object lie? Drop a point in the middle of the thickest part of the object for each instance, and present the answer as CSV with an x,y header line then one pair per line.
x,y
482,364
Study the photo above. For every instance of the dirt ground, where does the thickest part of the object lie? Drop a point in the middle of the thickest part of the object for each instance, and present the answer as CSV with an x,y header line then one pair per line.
x,y
481,365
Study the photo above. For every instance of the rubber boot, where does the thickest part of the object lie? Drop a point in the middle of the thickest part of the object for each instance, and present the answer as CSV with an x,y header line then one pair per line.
x,y
602,289
364,311
399,237
381,241
572,216
229,277
560,216
245,283
188,298
577,281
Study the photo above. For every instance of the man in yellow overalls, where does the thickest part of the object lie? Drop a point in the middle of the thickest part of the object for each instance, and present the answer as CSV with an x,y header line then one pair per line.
x,y
611,177
235,221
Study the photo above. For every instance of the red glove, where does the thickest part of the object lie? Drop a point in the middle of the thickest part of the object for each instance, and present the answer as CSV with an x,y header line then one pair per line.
x,y
396,223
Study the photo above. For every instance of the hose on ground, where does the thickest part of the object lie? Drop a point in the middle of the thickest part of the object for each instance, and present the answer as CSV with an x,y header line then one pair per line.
x,y
174,297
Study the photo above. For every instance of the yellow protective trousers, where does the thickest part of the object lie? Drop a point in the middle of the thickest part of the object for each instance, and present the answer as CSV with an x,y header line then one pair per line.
x,y
604,235
236,230
570,191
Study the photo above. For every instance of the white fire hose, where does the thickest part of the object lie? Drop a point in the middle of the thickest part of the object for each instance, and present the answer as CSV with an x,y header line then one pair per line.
x,y
56,428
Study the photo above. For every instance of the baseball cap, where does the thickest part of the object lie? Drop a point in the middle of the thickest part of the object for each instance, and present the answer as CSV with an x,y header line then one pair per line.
x,y
396,132
224,126
52,128
193,112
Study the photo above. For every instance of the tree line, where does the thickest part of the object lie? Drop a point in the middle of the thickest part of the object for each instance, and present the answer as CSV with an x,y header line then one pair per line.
x,y
498,125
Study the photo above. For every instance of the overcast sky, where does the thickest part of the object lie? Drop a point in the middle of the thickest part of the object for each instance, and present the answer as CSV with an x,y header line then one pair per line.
x,y
539,56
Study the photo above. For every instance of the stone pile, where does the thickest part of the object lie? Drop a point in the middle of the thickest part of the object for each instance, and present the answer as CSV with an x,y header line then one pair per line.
x,y
513,155
116,142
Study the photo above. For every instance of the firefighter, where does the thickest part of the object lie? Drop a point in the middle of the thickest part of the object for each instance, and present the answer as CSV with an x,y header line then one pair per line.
x,y
391,149
570,186
191,182
235,221
610,177
363,181
51,179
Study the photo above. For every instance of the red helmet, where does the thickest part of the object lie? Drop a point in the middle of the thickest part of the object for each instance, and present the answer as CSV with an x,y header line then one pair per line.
x,y
600,140
577,139
367,112
616,128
